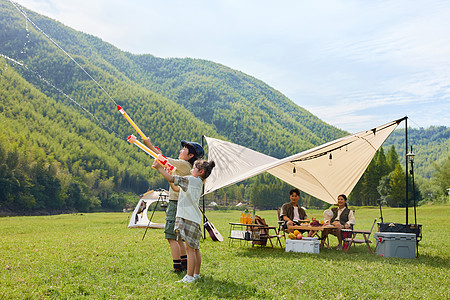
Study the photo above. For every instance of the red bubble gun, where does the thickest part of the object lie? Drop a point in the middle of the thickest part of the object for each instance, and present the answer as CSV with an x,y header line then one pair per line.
x,y
163,161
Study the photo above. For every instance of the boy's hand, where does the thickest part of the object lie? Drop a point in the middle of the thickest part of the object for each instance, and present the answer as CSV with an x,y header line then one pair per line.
x,y
147,142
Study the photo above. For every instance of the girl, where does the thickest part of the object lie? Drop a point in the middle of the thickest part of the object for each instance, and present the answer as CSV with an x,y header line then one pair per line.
x,y
189,217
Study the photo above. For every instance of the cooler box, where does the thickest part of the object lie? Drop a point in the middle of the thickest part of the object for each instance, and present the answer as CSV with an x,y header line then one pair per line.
x,y
303,246
396,244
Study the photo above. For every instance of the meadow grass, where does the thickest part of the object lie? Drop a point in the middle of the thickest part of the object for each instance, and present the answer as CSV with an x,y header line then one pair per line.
x,y
95,256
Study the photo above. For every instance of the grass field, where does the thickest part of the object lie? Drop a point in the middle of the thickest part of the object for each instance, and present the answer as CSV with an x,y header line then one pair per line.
x,y
95,256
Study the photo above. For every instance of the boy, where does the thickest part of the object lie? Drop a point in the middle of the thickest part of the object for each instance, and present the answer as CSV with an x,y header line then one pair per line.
x,y
189,217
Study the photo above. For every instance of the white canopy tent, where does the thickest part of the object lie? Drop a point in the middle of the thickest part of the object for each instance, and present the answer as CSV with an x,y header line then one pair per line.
x,y
324,172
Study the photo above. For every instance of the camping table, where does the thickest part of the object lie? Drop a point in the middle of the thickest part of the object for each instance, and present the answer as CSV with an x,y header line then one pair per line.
x,y
316,229
250,232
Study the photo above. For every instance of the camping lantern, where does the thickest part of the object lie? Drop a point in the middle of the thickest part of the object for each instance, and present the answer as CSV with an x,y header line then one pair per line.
x,y
410,156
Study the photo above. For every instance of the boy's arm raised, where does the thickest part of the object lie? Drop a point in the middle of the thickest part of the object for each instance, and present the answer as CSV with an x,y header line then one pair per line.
x,y
150,145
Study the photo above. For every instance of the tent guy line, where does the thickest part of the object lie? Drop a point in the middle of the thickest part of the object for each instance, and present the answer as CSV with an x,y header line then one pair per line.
x,y
27,19
59,47
22,12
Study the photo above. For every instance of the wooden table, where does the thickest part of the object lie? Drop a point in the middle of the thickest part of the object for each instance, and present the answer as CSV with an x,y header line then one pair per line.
x,y
316,230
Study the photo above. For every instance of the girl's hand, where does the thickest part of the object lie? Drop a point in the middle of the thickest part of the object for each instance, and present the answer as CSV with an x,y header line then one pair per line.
x,y
131,139
156,165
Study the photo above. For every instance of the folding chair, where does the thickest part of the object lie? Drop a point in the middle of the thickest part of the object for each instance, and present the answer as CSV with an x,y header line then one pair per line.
x,y
264,234
276,236
365,240
280,226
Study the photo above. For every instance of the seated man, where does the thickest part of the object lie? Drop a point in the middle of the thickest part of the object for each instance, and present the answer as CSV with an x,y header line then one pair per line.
x,y
290,213
343,218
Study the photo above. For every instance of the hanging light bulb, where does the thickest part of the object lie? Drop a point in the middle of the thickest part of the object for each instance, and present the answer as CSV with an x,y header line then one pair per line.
x,y
294,171
330,162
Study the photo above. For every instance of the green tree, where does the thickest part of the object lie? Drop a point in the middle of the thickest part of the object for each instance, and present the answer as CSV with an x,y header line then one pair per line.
x,y
441,179
366,190
392,158
397,187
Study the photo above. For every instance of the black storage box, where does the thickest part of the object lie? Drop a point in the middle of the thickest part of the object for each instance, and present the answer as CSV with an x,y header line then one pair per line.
x,y
404,228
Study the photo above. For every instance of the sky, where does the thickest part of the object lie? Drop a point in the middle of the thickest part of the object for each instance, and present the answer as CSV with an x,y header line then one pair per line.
x,y
354,64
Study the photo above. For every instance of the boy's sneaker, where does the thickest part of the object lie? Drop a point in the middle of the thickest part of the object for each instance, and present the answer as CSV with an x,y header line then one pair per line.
x,y
187,279
197,277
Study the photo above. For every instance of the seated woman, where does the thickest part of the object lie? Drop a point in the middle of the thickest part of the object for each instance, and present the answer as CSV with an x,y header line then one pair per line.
x,y
343,218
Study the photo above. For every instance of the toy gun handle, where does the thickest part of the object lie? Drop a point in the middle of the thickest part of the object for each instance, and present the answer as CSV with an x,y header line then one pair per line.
x,y
165,162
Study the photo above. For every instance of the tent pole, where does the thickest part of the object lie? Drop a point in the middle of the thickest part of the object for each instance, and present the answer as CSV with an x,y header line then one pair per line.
x,y
406,164
203,198
149,221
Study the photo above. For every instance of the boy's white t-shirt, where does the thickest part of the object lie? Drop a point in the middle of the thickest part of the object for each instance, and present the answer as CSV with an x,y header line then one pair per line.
x,y
189,197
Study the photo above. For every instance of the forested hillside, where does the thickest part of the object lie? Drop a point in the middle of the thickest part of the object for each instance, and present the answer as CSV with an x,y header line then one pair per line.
x,y
237,105
385,176
53,108
63,143
431,146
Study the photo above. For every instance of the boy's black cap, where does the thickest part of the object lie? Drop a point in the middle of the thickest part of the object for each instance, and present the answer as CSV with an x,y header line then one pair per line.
x,y
195,148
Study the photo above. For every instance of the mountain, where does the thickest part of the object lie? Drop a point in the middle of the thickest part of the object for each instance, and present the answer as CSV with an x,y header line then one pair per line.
x,y
430,145
58,113
63,143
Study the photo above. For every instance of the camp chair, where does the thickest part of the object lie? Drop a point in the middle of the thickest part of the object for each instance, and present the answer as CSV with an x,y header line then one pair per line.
x,y
281,231
277,237
265,235
365,240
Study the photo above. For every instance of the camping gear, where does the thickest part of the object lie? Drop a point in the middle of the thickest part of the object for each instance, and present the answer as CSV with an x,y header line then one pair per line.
x,y
213,232
304,245
139,218
396,244
398,227
415,229
381,213
262,233
348,241
317,171
404,228
157,201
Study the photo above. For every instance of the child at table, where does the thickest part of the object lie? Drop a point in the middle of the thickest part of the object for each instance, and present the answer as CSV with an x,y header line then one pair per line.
x,y
189,217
